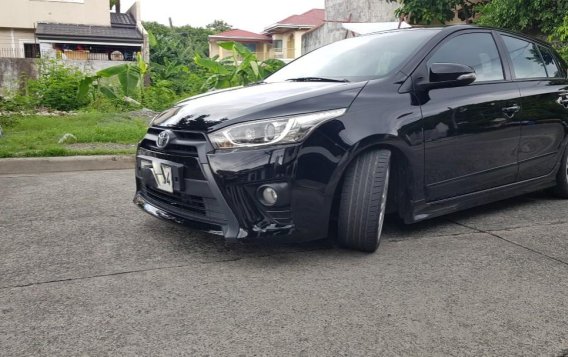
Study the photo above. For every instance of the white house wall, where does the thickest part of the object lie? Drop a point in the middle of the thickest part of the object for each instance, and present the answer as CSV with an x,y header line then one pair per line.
x,y
337,11
12,41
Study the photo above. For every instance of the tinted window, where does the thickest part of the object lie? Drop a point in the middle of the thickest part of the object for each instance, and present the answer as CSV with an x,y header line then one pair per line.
x,y
477,50
527,62
359,58
549,62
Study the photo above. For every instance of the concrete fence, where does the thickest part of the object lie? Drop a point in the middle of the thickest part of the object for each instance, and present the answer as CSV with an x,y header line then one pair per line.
x,y
14,71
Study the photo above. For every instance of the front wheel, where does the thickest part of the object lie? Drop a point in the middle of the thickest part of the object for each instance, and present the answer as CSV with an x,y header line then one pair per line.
x,y
363,201
561,189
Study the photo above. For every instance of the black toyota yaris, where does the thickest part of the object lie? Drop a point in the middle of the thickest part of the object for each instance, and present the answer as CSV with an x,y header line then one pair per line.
x,y
421,122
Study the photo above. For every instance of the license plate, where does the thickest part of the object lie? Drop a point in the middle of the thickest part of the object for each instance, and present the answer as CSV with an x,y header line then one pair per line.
x,y
162,175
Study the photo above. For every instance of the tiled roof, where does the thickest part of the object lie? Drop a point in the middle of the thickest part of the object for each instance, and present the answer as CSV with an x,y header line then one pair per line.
x,y
237,34
122,20
314,17
88,33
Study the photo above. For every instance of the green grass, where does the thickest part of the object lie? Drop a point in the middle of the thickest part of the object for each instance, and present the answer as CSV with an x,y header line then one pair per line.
x,y
28,136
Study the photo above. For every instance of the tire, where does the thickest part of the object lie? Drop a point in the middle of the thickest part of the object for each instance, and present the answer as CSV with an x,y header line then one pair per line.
x,y
363,201
561,189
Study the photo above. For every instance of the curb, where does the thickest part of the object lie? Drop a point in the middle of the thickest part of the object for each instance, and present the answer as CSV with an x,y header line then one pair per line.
x,y
40,165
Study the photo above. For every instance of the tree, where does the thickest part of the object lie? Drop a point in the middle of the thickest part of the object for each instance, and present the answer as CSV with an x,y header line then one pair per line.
x,y
115,3
178,44
529,16
172,51
218,26
559,38
435,11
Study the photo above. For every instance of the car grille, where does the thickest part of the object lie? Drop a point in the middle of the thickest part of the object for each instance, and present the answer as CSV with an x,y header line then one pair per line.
x,y
190,203
196,199
185,143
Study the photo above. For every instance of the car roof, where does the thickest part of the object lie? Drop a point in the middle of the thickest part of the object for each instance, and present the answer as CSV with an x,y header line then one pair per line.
x,y
449,29
442,33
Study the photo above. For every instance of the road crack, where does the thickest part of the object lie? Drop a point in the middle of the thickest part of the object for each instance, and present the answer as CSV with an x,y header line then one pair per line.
x,y
493,234
227,260
93,276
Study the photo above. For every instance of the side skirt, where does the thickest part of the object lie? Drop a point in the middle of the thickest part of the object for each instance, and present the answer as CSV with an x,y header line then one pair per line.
x,y
422,210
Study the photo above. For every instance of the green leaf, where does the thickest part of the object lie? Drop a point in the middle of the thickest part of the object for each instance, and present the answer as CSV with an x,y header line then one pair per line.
x,y
112,71
129,81
142,65
84,87
254,66
229,46
152,41
244,52
108,92
211,65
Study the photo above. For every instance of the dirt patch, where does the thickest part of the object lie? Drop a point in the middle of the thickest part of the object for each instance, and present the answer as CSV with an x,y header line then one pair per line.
x,y
99,146
144,113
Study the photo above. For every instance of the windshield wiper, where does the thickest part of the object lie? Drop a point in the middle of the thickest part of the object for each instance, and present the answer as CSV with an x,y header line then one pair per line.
x,y
316,79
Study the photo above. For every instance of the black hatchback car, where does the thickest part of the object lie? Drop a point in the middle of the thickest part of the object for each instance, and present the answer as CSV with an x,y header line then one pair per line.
x,y
421,122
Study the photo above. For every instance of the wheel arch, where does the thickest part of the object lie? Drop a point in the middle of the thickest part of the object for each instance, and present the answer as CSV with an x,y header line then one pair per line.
x,y
402,176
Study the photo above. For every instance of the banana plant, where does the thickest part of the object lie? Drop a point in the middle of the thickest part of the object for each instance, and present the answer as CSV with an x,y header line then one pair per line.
x,y
241,68
130,77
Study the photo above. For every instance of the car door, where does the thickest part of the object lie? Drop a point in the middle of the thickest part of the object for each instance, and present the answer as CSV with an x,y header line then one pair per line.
x,y
544,101
470,132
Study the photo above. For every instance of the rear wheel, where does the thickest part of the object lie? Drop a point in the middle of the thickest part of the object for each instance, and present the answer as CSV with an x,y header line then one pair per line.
x,y
363,201
561,189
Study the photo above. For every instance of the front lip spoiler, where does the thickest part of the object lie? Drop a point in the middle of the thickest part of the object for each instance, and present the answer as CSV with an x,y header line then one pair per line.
x,y
162,214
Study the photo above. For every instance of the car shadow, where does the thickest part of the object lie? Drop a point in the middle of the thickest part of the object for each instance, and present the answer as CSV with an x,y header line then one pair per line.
x,y
213,247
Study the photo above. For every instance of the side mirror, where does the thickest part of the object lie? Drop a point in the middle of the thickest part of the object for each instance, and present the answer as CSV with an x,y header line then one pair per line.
x,y
448,75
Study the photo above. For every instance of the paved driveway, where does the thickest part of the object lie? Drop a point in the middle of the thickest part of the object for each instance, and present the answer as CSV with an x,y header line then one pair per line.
x,y
82,271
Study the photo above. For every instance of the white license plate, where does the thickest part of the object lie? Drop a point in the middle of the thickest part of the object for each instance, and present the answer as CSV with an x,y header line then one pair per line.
x,y
162,175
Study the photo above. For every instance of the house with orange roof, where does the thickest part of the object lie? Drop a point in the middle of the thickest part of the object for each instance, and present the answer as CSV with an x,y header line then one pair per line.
x,y
282,40
287,34
258,43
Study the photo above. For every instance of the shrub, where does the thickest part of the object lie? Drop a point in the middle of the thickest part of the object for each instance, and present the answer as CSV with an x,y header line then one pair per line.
x,y
159,98
17,103
57,86
9,121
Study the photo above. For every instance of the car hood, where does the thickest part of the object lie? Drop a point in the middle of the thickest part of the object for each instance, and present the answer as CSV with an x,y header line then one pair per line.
x,y
214,110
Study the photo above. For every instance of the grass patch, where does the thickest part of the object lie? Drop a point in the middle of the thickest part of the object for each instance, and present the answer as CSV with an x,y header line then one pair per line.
x,y
28,136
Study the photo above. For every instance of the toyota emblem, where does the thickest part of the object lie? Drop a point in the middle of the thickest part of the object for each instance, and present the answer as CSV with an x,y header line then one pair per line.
x,y
163,139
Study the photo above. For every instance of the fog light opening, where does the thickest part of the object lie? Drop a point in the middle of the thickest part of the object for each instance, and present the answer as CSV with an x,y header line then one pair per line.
x,y
268,196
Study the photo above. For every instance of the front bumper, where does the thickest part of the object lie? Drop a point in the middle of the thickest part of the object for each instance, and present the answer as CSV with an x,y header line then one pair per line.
x,y
215,193
154,209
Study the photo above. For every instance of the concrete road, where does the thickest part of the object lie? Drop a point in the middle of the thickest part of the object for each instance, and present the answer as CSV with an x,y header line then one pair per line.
x,y
84,272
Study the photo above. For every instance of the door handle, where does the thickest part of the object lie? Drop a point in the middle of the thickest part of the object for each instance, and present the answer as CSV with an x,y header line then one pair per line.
x,y
562,100
511,111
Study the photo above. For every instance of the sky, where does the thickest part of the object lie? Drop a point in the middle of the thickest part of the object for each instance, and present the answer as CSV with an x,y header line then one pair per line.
x,y
250,15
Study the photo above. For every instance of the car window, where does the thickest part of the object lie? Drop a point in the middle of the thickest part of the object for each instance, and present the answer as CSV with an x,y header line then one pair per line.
x,y
552,69
477,50
527,62
358,58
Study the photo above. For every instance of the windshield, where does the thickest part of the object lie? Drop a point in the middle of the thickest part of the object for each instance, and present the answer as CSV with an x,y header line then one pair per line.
x,y
356,59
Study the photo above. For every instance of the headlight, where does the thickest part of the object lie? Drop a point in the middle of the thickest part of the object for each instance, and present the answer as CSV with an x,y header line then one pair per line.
x,y
283,130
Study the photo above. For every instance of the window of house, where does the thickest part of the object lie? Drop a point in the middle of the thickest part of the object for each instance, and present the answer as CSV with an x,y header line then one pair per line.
x,y
278,45
527,62
251,46
31,50
477,50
